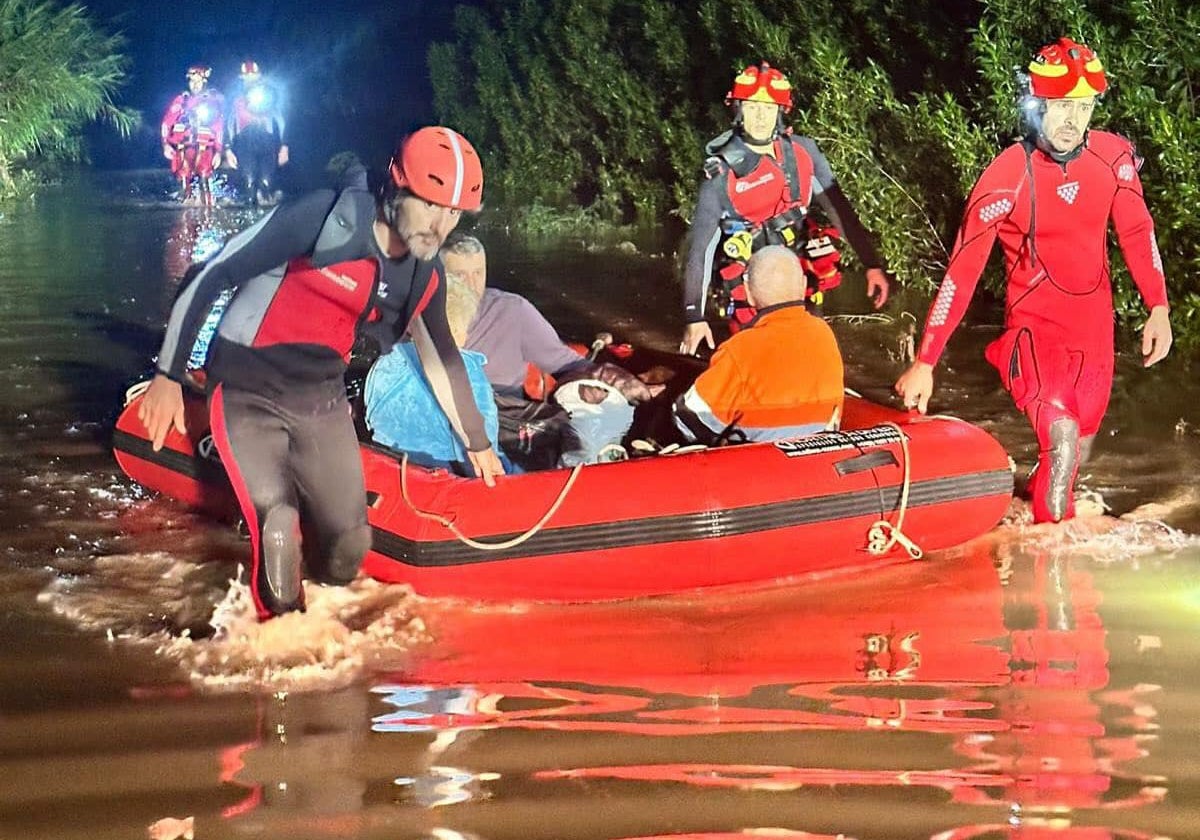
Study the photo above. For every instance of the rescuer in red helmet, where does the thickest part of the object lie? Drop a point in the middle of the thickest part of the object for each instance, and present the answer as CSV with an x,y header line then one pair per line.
x,y
310,276
256,145
760,184
192,129
1049,199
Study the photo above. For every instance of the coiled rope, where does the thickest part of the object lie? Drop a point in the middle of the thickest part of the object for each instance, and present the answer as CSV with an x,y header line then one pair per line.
x,y
883,535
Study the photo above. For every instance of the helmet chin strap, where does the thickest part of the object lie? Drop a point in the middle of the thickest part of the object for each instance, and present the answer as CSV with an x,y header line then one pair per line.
x,y
1054,154
740,125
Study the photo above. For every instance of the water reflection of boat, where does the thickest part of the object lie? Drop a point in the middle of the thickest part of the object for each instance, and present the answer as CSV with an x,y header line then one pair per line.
x,y
756,512
970,690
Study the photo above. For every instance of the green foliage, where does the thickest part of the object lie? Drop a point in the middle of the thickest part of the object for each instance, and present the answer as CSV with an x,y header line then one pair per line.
x,y
606,106
58,71
573,103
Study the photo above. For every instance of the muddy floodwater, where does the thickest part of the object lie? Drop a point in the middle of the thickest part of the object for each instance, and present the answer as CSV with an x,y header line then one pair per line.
x,y
1040,682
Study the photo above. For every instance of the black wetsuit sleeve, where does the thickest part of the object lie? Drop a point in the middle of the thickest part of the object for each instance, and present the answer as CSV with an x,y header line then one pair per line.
x,y
287,232
447,375
834,202
702,248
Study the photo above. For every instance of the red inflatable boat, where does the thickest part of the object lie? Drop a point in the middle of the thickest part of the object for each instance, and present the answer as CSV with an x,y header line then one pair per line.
x,y
654,524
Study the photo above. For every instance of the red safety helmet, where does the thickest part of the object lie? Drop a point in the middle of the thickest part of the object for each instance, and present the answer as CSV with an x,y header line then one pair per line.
x,y
201,70
249,67
761,84
439,165
1066,70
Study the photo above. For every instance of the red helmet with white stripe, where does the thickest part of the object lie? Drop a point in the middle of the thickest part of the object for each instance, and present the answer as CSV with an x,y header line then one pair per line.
x,y
439,165
1066,70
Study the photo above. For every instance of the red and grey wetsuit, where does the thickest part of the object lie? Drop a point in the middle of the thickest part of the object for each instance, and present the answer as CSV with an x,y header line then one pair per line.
x,y
1056,354
309,277
194,123
761,191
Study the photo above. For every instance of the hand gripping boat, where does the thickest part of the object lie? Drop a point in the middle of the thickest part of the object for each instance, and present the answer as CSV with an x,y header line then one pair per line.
x,y
887,486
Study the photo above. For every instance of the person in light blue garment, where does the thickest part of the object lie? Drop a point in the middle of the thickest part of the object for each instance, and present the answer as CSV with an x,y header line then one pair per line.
x,y
499,334
403,414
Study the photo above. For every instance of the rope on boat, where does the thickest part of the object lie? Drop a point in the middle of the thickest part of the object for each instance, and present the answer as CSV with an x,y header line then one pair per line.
x,y
136,390
882,535
447,523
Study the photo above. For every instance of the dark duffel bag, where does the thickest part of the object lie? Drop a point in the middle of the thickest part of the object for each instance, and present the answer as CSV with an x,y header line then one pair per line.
x,y
533,434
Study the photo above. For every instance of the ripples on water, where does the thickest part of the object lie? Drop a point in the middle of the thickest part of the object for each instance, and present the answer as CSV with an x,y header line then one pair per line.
x,y
1037,684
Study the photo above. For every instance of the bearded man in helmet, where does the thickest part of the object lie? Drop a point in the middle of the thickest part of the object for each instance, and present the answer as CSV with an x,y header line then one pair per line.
x,y
1049,199
309,277
760,183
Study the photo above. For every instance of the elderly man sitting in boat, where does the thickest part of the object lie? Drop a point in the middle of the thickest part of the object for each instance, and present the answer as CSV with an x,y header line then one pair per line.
x,y
500,334
779,377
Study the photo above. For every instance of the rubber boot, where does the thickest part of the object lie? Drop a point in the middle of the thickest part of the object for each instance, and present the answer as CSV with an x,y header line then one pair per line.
x,y
1052,485
276,582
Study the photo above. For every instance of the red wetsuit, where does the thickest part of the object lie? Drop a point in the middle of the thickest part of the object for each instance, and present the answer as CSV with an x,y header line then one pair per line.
x,y
1055,356
194,123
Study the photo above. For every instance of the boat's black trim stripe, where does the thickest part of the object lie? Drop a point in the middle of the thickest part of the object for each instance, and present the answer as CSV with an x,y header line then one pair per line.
x,y
198,469
694,526
636,532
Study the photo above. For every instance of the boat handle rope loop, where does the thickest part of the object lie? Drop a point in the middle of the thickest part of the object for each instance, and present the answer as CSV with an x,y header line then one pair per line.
x,y
448,523
136,390
882,535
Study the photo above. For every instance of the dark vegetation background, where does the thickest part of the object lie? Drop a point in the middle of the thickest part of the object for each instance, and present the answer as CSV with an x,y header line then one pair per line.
x,y
593,113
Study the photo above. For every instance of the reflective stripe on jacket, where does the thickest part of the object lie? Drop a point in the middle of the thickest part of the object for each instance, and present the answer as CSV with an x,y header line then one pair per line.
x,y
781,377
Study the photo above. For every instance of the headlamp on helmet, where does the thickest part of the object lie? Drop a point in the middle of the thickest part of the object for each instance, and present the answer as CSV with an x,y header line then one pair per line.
x,y
258,98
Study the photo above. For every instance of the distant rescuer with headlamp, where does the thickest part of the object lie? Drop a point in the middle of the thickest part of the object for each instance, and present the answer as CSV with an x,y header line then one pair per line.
x,y
311,276
256,146
1049,198
760,182
192,130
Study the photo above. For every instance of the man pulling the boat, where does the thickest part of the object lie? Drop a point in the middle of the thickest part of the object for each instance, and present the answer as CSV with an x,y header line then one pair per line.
x,y
310,276
1049,199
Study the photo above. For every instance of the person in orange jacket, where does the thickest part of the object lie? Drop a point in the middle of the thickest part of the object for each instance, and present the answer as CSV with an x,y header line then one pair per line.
x,y
779,377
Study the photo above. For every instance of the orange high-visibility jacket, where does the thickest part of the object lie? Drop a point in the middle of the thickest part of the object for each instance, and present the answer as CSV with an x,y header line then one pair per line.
x,y
781,377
